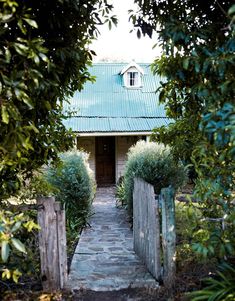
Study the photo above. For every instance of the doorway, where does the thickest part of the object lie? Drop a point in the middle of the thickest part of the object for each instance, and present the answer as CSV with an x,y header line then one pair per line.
x,y
105,160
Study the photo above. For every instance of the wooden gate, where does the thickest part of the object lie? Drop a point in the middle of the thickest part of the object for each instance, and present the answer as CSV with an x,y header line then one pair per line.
x,y
154,243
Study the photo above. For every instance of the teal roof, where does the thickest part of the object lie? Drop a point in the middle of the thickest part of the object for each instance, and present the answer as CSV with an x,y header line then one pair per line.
x,y
108,106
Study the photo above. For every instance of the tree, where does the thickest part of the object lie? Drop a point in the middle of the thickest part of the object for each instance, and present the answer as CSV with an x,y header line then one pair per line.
x,y
44,56
198,62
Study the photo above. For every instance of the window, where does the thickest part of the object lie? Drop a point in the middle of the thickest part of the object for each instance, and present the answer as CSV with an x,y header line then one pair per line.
x,y
133,79
132,76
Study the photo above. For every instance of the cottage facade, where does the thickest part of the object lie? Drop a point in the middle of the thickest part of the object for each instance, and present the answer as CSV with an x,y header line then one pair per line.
x,y
120,108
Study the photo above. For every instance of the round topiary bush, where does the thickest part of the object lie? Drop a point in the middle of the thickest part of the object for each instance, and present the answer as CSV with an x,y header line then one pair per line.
x,y
74,184
153,163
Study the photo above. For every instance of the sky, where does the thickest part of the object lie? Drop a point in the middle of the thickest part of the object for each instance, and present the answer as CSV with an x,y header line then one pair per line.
x,y
119,44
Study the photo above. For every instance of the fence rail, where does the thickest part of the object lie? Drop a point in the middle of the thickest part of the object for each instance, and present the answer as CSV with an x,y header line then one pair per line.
x,y
154,230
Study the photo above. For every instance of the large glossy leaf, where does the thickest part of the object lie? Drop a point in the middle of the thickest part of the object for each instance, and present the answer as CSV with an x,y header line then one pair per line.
x,y
5,249
18,245
31,22
5,115
16,226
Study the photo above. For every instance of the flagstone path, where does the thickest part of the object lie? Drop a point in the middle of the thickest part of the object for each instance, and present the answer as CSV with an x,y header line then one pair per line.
x,y
104,259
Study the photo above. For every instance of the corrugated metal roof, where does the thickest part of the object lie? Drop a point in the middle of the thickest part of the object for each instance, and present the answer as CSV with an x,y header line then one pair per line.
x,y
107,105
109,124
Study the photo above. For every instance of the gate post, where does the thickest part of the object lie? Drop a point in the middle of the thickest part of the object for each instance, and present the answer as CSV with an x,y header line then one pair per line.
x,y
52,243
168,236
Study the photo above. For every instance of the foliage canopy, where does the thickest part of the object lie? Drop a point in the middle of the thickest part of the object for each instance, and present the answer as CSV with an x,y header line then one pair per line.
x,y
198,62
44,56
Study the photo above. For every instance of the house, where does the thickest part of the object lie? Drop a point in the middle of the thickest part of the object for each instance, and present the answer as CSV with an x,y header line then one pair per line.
x,y
120,108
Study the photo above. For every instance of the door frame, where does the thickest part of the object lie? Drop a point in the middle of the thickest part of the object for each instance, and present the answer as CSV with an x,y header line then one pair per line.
x,y
114,157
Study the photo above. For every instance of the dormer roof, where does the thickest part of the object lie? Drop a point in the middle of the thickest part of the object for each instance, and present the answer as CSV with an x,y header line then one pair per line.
x,y
131,65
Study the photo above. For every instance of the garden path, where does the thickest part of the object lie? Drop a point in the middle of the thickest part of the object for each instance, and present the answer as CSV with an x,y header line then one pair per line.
x,y
104,259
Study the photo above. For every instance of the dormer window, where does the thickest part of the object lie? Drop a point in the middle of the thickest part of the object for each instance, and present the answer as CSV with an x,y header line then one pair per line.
x,y
133,79
132,76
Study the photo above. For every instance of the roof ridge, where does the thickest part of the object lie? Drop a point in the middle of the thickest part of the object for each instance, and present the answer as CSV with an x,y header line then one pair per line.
x,y
124,117
119,63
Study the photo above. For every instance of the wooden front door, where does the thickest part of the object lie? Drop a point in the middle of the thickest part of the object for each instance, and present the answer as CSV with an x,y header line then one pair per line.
x,y
105,160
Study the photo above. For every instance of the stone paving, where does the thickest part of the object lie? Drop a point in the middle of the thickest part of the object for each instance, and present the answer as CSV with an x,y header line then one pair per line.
x,y
104,259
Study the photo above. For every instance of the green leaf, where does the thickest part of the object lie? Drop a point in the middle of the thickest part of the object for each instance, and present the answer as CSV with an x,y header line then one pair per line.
x,y
186,63
33,127
204,252
231,11
21,49
30,225
5,17
36,59
5,115
197,67
162,96
16,227
31,22
21,26
18,245
211,249
27,100
15,275
44,57
8,55
48,105
5,249
6,274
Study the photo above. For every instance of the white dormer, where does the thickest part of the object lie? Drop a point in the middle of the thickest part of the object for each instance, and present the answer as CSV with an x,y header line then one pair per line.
x,y
132,75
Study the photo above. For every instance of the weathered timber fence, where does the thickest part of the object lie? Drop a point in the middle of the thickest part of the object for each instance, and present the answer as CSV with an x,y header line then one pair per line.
x,y
52,243
153,240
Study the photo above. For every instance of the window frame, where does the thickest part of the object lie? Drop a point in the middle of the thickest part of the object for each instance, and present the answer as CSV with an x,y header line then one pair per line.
x,y
133,81
133,78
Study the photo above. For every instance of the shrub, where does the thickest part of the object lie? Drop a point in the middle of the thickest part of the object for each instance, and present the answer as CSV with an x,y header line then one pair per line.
x,y
36,186
15,257
75,185
220,288
187,216
153,163
120,192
